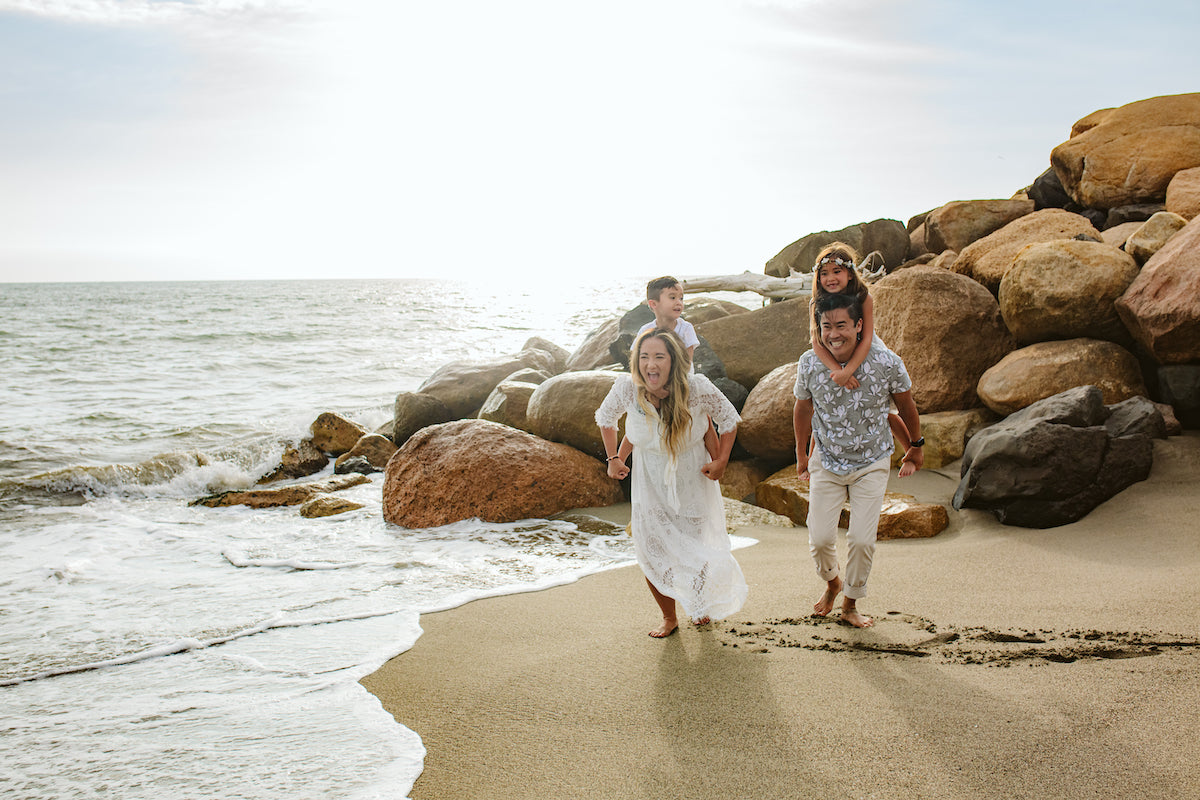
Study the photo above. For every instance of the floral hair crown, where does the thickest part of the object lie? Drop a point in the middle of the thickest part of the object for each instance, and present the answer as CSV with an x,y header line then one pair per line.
x,y
835,259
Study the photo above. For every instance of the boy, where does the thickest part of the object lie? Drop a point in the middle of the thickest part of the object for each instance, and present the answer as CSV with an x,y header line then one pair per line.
x,y
665,297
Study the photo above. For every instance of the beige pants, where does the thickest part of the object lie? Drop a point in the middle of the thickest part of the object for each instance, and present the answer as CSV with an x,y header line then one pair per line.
x,y
826,494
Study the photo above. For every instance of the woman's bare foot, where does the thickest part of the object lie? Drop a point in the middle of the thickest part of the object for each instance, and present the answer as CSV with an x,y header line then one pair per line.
x,y
701,621
666,629
825,604
851,616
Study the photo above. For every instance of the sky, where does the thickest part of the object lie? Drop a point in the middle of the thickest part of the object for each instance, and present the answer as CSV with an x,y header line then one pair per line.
x,y
530,139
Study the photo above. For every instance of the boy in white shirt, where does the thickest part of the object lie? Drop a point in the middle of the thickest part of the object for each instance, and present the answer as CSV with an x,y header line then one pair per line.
x,y
665,297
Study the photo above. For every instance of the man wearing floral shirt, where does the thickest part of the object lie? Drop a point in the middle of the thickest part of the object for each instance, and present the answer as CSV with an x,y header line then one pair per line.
x,y
853,448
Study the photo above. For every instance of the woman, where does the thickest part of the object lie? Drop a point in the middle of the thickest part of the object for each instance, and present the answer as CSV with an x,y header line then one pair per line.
x,y
678,516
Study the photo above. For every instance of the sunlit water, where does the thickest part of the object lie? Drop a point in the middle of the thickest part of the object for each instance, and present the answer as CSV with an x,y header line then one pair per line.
x,y
150,648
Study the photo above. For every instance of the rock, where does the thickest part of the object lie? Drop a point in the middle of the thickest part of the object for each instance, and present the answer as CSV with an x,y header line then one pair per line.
x,y
734,392
1042,370
901,517
327,506
558,355
334,434
1160,308
752,344
947,329
283,496
740,515
356,465
1129,154
299,461
475,468
988,259
1137,416
413,411
508,402
563,409
374,448
946,434
766,427
944,260
1138,212
1183,193
742,477
706,309
1153,234
1066,290
1047,191
1179,386
534,376
888,236
593,353
463,386
1117,235
957,224
1050,464
1173,426
918,242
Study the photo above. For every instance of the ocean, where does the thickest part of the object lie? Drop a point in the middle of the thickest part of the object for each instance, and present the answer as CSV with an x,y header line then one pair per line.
x,y
150,648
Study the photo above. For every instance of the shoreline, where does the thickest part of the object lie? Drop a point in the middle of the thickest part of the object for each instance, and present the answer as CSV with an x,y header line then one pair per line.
x,y
1006,662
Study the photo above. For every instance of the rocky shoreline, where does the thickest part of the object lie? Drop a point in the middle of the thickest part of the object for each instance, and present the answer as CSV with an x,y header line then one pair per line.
x,y
1002,309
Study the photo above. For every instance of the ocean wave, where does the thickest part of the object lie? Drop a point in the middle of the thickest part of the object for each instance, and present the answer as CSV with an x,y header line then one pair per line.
x,y
241,561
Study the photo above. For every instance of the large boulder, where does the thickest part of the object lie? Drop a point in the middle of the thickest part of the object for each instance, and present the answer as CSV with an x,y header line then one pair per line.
x,y
372,448
334,434
957,224
946,435
1117,235
415,410
463,386
888,237
1183,193
298,461
1129,154
1160,308
766,427
947,329
741,478
593,352
1042,370
752,344
1179,387
1152,234
1051,463
558,355
292,495
563,409
508,403
988,259
475,468
1065,290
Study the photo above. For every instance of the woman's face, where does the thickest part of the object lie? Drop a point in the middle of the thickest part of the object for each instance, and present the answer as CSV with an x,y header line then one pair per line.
x,y
654,363
834,277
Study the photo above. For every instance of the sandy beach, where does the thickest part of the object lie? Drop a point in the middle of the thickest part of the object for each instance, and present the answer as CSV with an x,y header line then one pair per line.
x,y
1005,663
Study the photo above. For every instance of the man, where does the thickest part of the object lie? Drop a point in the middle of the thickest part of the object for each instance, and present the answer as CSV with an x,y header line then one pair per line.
x,y
852,452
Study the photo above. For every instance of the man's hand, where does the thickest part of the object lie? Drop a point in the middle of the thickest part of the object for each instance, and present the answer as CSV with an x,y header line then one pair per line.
x,y
802,467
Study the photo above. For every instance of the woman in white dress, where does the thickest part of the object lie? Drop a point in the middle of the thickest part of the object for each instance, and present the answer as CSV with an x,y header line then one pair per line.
x,y
678,516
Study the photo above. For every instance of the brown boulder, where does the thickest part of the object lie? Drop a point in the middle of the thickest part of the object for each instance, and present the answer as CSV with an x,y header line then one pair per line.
x,y
558,355
742,477
901,517
462,386
283,496
1117,235
593,352
766,427
1183,193
1152,234
752,344
1066,290
957,224
1043,370
1161,308
946,434
918,242
415,410
508,403
563,409
1129,154
947,329
297,462
475,468
887,236
374,448
326,506
989,258
706,309
334,434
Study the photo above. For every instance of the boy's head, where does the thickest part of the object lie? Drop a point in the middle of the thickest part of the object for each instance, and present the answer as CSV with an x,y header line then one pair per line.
x,y
665,297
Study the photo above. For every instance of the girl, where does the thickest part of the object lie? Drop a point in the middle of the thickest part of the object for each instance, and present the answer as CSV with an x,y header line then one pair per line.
x,y
835,273
677,514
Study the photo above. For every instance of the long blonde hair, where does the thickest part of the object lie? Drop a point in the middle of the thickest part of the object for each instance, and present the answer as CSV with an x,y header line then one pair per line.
x,y
673,409
855,287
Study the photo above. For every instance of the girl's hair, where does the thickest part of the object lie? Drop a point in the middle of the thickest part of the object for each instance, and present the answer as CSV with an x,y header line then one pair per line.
x,y
854,287
673,409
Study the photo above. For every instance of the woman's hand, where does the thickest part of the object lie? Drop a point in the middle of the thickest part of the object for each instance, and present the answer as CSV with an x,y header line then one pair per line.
x,y
617,469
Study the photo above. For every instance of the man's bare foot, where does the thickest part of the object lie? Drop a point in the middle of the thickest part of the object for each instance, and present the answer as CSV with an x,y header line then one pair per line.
x,y
666,629
851,616
825,604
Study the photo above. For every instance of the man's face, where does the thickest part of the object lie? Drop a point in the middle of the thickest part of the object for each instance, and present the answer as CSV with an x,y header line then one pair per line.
x,y
840,333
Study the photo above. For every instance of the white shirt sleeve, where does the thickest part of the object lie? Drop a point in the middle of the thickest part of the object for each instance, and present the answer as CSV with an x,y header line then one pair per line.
x,y
707,398
620,398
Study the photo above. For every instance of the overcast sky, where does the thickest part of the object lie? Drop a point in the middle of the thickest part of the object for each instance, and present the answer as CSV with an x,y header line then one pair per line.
x,y
173,139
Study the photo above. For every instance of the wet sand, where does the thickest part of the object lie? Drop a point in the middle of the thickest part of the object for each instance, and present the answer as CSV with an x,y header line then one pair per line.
x,y
1005,663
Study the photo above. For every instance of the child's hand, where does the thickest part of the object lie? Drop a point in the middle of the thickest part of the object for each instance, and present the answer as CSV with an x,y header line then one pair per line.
x,y
617,469
845,378
907,468
714,470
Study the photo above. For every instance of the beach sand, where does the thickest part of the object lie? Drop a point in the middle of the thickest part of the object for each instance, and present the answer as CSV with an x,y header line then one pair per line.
x,y
1005,663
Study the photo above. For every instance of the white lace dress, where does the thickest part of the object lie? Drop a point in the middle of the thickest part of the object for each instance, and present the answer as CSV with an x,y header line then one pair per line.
x,y
678,516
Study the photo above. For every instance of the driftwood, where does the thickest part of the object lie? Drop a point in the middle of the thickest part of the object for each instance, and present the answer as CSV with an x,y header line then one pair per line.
x,y
798,284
